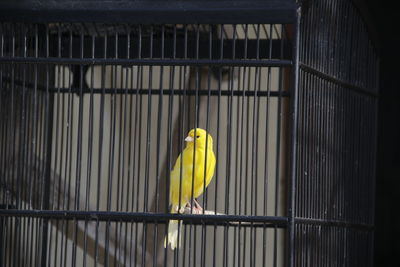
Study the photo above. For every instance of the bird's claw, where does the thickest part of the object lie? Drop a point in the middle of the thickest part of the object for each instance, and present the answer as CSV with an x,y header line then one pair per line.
x,y
196,209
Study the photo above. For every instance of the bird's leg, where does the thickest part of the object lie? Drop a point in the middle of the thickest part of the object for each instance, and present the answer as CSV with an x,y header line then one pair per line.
x,y
197,205
196,208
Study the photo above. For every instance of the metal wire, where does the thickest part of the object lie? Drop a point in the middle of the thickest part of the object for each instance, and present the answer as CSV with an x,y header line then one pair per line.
x,y
99,125
93,117
335,155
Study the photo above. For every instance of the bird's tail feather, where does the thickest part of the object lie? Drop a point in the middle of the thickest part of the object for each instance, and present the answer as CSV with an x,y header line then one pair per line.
x,y
174,236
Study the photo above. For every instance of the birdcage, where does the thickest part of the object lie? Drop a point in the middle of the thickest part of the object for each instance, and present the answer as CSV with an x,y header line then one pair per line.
x,y
98,97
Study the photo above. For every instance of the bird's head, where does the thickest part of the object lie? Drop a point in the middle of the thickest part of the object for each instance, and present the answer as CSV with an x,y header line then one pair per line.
x,y
199,135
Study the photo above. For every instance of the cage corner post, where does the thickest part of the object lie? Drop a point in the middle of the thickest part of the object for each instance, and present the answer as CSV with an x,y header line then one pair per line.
x,y
293,142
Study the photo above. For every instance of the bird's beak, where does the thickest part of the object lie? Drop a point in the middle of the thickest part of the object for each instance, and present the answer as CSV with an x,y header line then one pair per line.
x,y
189,139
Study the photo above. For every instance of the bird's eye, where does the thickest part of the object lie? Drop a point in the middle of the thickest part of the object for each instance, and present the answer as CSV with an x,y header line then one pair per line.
x,y
198,136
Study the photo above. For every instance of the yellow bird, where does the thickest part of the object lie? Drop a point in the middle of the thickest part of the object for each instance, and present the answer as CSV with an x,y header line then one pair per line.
x,y
199,148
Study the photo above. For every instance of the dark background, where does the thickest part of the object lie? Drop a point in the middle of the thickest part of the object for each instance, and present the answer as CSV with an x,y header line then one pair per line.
x,y
386,18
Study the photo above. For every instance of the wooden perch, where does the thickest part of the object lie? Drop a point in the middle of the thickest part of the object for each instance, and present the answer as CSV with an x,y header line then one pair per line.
x,y
188,210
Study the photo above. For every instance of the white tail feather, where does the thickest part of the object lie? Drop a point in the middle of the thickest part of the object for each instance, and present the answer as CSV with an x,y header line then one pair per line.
x,y
173,234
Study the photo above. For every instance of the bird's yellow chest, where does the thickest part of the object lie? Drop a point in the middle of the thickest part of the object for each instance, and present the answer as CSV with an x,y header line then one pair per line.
x,y
194,166
196,174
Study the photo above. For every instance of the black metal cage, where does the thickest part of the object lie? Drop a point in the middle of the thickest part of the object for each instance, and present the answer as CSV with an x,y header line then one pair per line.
x,y
95,103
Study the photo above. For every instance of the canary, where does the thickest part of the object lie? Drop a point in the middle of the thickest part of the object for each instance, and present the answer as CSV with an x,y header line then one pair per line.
x,y
198,164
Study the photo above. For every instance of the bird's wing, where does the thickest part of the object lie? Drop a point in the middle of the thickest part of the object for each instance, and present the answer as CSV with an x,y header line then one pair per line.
x,y
174,182
177,167
186,174
209,172
210,167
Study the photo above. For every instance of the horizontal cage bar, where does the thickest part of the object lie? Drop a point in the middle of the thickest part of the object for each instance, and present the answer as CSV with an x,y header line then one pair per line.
x,y
153,91
278,221
327,222
150,12
149,62
189,92
168,47
335,80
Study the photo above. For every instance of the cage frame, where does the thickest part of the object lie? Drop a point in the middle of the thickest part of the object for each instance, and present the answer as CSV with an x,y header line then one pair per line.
x,y
171,12
185,12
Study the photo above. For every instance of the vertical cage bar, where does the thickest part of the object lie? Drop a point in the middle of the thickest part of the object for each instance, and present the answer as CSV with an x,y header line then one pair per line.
x,y
48,145
308,109
293,140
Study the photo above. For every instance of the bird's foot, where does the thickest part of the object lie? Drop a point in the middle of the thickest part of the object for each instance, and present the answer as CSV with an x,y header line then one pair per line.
x,y
196,204
196,209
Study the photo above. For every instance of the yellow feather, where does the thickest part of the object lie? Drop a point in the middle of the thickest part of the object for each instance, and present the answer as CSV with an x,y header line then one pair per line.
x,y
188,181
